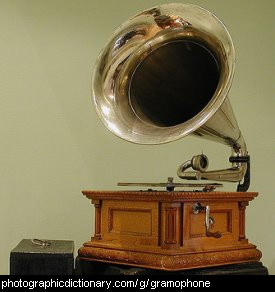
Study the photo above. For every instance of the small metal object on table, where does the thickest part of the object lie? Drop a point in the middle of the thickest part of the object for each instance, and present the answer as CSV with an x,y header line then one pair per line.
x,y
42,257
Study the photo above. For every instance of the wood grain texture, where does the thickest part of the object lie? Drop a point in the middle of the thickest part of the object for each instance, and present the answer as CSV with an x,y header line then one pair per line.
x,y
159,229
169,196
171,262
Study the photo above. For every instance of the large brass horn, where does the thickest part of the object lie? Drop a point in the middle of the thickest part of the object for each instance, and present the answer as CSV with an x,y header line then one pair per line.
x,y
166,74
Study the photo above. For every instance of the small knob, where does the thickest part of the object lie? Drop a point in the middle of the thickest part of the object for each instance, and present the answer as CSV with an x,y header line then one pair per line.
x,y
170,185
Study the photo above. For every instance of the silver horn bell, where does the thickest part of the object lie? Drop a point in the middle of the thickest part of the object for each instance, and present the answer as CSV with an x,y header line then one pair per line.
x,y
166,74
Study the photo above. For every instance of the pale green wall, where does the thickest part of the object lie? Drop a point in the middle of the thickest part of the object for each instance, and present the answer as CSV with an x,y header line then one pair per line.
x,y
53,145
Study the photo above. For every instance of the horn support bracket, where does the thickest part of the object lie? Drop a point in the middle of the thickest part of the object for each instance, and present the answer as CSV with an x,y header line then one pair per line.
x,y
244,186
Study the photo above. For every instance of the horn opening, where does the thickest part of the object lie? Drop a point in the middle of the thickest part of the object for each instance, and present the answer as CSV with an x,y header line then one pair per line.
x,y
173,83
164,74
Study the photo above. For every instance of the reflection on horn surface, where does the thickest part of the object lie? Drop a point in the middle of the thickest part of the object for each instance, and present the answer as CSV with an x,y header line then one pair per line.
x,y
165,74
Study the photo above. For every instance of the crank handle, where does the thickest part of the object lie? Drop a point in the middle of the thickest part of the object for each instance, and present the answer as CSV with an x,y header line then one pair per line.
x,y
208,222
197,208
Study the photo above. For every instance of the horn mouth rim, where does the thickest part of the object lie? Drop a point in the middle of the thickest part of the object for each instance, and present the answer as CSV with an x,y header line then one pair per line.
x,y
123,60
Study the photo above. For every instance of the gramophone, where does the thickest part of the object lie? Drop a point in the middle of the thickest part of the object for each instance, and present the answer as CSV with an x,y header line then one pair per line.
x,y
165,74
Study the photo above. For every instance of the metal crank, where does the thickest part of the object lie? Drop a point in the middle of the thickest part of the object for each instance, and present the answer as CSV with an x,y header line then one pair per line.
x,y
209,221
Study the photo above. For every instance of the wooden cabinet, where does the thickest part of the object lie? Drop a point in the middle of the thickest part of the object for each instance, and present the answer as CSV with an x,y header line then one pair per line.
x,y
160,230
